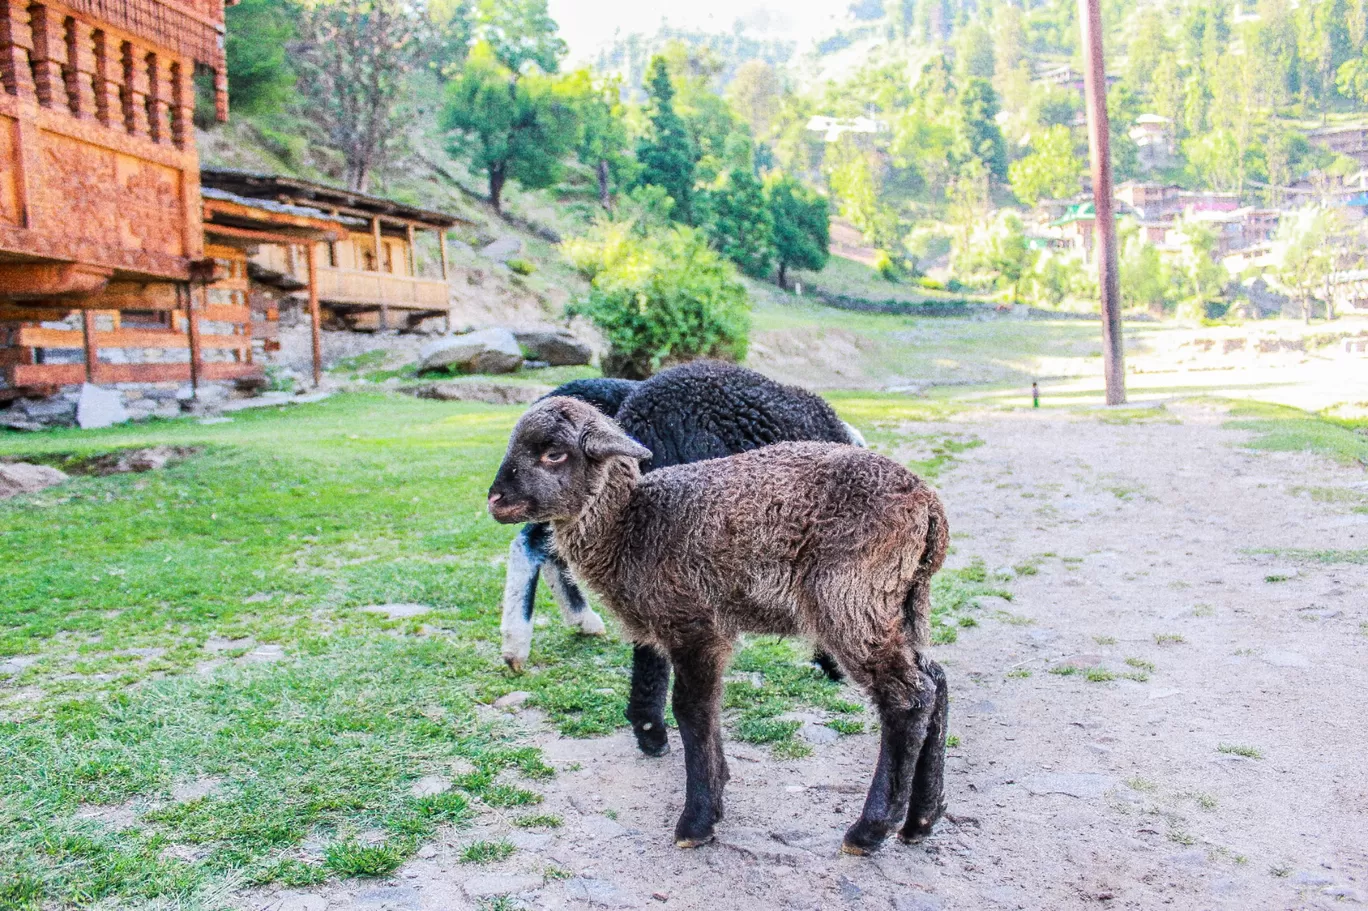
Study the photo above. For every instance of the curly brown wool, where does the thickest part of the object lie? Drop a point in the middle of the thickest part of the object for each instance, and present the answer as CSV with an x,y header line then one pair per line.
x,y
823,540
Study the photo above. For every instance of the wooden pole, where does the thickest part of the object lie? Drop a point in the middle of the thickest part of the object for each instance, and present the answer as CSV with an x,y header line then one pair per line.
x,y
315,318
192,328
92,354
441,243
1099,150
379,244
412,250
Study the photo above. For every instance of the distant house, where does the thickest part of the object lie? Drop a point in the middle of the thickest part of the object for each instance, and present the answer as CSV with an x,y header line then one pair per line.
x,y
1152,201
1154,138
369,277
1344,140
833,128
1075,230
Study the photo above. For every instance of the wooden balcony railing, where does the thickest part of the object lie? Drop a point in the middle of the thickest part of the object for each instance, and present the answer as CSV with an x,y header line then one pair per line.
x,y
346,286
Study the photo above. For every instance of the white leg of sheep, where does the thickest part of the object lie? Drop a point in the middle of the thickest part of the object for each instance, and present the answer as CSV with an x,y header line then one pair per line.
x,y
520,595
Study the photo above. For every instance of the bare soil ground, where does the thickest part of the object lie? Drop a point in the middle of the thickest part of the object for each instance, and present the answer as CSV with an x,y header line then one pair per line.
x,y
1228,771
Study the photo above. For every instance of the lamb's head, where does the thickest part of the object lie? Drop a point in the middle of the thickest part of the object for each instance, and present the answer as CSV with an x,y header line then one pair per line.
x,y
556,458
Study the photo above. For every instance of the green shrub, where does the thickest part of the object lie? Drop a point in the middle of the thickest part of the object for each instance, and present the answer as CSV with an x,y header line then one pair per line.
x,y
659,297
886,267
521,266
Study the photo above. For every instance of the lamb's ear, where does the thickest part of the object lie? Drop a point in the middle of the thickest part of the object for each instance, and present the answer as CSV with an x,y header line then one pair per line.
x,y
602,439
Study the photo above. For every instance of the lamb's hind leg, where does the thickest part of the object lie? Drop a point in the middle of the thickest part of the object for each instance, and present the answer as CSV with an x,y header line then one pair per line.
x,y
928,786
646,701
905,697
698,705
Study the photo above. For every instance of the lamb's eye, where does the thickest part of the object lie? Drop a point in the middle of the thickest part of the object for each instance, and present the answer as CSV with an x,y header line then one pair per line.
x,y
555,457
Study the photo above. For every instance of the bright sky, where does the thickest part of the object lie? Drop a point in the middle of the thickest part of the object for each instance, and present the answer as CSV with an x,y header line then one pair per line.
x,y
587,24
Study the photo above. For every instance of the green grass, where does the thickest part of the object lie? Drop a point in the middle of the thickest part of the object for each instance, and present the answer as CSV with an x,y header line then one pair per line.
x,y
487,852
541,821
1234,749
1327,557
1278,428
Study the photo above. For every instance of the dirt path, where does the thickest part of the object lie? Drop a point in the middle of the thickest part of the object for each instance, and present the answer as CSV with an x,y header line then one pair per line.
x,y
1065,792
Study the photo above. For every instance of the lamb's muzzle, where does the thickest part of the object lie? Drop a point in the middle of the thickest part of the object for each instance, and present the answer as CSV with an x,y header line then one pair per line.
x,y
818,539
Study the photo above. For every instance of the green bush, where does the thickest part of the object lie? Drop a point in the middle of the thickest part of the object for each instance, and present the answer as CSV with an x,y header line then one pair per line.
x,y
521,266
659,297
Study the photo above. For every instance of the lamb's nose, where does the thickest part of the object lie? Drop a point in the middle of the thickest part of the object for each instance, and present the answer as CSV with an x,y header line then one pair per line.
x,y
495,498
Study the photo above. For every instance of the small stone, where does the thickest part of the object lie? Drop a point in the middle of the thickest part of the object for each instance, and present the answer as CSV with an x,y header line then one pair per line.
x,y
602,827
300,901
849,891
430,785
597,892
531,841
660,896
265,654
492,885
427,852
398,611
818,733
99,408
20,478
390,898
512,700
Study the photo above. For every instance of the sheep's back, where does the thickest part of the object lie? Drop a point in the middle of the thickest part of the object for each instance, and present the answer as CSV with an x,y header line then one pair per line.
x,y
707,410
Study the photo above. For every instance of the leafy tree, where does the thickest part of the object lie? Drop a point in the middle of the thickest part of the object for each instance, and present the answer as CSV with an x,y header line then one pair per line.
x,y
1009,253
260,77
1144,277
354,57
982,138
1197,273
740,225
755,93
802,226
511,126
520,34
666,152
1050,171
1306,254
659,297
975,52
603,141
1214,160
856,183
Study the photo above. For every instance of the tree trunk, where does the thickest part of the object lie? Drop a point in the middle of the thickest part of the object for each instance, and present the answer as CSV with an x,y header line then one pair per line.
x,y
1306,309
496,185
783,272
605,198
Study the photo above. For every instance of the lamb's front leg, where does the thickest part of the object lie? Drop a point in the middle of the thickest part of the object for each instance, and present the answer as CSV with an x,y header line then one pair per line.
x,y
525,556
574,608
698,706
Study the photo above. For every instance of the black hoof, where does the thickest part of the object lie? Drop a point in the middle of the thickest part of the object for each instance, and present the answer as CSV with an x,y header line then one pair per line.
x,y
919,826
653,740
864,838
693,833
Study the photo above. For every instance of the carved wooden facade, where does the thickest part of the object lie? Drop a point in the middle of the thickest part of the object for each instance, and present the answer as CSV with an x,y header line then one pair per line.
x,y
100,219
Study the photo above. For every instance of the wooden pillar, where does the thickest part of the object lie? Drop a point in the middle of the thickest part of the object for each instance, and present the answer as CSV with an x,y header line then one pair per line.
x,y
108,108
182,105
92,354
192,314
48,51
16,42
379,244
80,68
133,93
412,250
315,318
156,100
441,243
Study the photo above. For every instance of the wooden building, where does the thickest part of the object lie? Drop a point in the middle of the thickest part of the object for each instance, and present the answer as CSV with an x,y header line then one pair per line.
x,y
370,279
101,239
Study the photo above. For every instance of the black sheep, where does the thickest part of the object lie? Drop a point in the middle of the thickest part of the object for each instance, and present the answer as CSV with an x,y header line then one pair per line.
x,y
703,410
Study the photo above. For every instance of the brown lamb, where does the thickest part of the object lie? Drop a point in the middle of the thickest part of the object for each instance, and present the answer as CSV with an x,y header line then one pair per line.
x,y
823,540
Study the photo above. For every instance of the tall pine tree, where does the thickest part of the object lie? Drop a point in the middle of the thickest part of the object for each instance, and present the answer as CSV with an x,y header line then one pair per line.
x,y
666,153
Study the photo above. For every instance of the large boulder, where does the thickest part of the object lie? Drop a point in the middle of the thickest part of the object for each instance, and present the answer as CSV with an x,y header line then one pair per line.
x,y
488,391
556,347
485,351
99,408
21,477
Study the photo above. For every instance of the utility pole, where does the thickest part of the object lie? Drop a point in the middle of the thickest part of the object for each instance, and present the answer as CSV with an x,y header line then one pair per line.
x,y
1099,150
